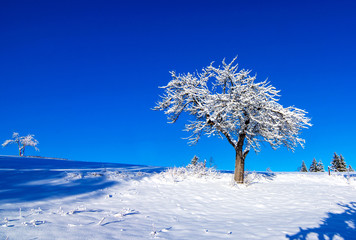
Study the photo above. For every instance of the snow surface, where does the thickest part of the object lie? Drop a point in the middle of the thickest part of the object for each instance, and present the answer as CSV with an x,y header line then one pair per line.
x,y
58,199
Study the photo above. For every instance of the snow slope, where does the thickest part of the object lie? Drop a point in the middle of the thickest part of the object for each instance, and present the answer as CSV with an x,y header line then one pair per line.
x,y
58,199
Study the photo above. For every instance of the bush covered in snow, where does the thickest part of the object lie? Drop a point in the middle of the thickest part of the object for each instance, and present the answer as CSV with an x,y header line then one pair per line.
x,y
195,169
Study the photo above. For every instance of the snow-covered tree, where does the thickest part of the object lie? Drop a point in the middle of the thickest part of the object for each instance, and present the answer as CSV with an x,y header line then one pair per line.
x,y
320,167
350,169
314,166
194,160
22,142
338,163
303,168
229,103
342,165
15,139
335,162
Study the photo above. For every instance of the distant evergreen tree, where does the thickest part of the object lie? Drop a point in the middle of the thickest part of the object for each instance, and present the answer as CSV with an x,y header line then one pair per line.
x,y
342,165
194,160
320,167
351,169
303,167
338,163
335,162
313,166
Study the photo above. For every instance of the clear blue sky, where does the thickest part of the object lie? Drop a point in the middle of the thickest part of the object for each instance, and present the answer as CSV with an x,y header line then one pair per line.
x,y
83,75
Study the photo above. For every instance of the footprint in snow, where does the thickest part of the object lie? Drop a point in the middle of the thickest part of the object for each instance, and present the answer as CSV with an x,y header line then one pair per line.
x,y
126,211
6,223
155,233
34,223
166,229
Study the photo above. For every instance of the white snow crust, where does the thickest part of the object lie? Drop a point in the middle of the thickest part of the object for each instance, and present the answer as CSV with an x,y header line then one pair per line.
x,y
140,202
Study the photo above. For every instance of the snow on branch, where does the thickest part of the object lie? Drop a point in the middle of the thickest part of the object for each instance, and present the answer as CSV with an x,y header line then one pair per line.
x,y
227,102
22,142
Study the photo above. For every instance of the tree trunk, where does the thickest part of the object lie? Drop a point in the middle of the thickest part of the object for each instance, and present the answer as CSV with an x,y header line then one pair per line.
x,y
239,167
240,160
20,149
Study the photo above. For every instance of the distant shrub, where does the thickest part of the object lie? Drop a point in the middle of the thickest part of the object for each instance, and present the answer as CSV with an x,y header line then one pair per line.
x,y
196,168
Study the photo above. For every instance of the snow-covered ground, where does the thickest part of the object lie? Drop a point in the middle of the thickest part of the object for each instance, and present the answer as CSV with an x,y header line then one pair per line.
x,y
58,199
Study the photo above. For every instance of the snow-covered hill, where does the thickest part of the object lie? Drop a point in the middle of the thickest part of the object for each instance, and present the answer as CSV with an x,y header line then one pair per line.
x,y
59,199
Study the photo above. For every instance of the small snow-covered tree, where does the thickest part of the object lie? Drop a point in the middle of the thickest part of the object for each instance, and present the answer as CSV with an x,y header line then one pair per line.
x,y
303,168
335,162
229,103
314,166
22,142
194,160
342,165
338,163
350,169
320,166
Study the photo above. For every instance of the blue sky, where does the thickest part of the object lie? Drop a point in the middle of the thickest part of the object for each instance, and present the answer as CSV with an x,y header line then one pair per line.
x,y
83,75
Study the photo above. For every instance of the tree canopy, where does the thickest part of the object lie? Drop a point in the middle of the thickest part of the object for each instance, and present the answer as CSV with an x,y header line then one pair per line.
x,y
228,102
22,142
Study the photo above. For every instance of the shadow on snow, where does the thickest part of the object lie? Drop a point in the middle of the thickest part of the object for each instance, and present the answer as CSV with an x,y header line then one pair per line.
x,y
21,186
334,225
29,179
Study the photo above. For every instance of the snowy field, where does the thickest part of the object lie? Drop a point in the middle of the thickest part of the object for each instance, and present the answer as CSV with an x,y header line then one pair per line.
x,y
59,199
